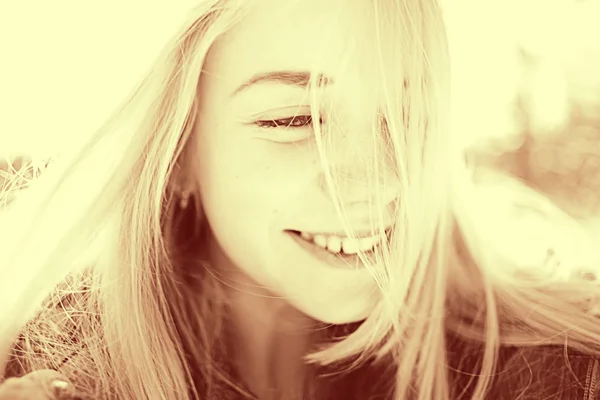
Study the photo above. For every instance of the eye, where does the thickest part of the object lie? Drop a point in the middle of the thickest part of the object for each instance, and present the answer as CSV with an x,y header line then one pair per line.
x,y
298,121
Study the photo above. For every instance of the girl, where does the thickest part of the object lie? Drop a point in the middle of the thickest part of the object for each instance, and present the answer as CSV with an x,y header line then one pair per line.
x,y
279,212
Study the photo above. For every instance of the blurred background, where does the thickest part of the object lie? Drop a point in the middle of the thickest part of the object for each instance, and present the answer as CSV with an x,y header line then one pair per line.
x,y
527,94
526,83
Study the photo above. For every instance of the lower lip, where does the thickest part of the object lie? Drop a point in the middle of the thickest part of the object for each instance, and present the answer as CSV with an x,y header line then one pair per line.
x,y
347,261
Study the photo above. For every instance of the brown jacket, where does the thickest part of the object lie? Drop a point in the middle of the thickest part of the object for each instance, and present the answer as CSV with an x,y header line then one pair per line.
x,y
537,373
544,373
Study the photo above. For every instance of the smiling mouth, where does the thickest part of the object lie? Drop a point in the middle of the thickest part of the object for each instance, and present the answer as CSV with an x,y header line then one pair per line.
x,y
344,246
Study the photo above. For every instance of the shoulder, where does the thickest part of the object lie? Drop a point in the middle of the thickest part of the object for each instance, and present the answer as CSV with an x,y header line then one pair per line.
x,y
548,372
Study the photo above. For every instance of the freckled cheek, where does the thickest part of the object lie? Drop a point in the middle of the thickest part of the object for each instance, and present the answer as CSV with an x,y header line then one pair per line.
x,y
288,172
277,168
270,183
259,174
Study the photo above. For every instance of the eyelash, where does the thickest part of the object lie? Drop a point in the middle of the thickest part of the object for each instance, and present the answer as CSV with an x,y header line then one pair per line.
x,y
286,122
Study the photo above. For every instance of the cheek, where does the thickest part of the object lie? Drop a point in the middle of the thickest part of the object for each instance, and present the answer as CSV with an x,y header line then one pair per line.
x,y
248,190
252,178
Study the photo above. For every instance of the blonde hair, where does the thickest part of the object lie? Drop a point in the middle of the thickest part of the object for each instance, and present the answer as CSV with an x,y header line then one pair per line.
x,y
86,237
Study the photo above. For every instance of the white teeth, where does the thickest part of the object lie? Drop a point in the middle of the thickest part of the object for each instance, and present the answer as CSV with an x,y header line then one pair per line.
x,y
367,243
334,244
306,236
320,241
350,246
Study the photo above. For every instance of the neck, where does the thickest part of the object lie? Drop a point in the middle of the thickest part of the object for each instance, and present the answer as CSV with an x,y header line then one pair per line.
x,y
270,339
269,336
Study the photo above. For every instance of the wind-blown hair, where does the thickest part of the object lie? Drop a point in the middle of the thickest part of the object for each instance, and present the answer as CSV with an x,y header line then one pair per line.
x,y
99,264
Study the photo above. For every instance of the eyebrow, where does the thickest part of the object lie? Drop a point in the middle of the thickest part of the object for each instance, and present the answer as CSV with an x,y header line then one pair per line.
x,y
292,78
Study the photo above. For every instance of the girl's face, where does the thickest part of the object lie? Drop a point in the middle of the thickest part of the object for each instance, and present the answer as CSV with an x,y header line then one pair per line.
x,y
258,182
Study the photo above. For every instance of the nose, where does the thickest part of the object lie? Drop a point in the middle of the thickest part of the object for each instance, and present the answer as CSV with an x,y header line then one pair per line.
x,y
355,186
362,175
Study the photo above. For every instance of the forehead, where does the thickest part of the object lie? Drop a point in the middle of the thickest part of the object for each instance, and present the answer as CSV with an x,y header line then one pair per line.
x,y
294,35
